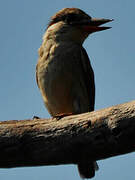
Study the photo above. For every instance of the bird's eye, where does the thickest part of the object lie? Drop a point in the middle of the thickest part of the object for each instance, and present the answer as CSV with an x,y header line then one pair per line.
x,y
70,18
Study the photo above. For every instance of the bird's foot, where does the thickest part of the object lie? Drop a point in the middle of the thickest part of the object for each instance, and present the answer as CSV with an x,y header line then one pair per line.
x,y
36,117
60,116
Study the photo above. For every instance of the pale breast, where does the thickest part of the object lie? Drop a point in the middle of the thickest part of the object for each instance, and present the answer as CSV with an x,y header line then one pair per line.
x,y
60,81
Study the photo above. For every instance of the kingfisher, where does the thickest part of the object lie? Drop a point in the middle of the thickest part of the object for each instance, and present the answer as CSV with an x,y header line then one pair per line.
x,y
64,73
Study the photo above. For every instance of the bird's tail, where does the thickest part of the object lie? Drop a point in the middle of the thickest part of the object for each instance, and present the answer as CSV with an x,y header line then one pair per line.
x,y
87,170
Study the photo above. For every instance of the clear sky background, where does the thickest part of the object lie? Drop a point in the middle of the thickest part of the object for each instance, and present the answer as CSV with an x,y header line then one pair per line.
x,y
112,54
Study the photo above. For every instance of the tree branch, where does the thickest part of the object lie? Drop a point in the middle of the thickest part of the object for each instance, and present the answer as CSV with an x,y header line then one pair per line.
x,y
92,136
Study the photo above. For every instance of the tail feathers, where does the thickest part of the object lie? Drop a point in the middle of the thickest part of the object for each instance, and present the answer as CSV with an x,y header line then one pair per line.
x,y
87,170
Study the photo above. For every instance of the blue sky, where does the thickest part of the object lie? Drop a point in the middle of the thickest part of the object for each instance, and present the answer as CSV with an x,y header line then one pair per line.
x,y
112,55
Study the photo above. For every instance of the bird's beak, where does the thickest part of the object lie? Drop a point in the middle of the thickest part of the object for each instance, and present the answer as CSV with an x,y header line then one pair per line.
x,y
94,25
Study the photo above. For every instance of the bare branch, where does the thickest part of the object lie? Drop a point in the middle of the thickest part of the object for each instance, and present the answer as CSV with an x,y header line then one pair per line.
x,y
94,136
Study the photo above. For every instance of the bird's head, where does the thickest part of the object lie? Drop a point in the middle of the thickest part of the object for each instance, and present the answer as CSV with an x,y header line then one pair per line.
x,y
74,24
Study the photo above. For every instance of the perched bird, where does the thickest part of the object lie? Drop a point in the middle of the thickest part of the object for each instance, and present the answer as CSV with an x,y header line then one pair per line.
x,y
64,74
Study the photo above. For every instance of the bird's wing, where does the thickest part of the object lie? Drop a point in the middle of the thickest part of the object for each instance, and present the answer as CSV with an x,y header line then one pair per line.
x,y
88,77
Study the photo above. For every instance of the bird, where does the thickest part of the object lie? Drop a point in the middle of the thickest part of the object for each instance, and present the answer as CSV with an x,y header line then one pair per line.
x,y
64,72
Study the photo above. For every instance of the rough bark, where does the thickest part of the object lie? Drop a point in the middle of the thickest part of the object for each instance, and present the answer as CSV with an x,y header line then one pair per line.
x,y
92,136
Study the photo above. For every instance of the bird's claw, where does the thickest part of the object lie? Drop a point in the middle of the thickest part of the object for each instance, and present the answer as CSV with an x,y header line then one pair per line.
x,y
36,117
60,116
